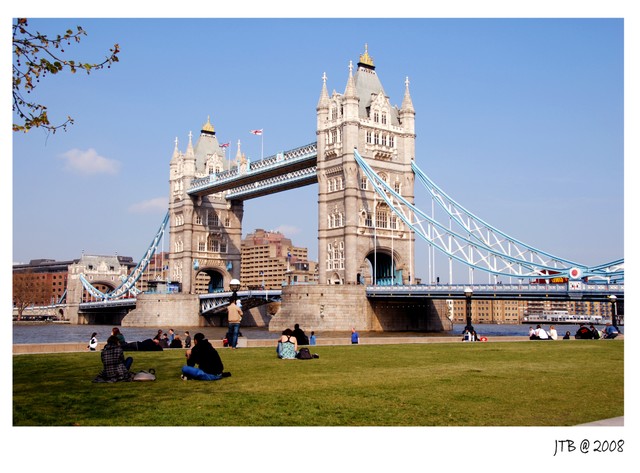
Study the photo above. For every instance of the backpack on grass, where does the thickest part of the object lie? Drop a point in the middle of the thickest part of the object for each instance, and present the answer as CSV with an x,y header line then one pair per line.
x,y
304,354
145,375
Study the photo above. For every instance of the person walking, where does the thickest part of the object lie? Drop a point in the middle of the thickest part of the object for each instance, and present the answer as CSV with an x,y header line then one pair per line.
x,y
355,338
234,318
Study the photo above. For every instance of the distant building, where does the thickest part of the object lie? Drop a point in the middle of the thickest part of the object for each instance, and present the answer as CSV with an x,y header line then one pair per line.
x,y
40,282
270,260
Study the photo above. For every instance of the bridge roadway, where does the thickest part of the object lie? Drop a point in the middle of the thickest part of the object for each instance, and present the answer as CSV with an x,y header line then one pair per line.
x,y
216,302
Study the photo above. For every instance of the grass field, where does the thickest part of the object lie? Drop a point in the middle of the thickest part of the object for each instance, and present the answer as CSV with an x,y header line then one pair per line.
x,y
439,384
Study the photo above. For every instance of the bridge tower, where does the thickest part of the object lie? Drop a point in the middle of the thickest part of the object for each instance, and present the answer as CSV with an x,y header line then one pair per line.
x,y
360,241
205,232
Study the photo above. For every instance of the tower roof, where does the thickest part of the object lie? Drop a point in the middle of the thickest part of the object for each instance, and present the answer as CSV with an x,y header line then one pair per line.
x,y
208,127
368,85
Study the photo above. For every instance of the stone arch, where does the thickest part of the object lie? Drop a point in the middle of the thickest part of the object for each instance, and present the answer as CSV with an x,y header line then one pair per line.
x,y
209,280
380,267
335,279
102,286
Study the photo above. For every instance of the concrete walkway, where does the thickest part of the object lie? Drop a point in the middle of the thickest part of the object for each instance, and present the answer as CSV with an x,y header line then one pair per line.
x,y
613,422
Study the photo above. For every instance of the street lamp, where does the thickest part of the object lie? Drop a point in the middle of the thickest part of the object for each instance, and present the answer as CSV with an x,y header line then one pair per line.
x,y
468,292
614,312
234,285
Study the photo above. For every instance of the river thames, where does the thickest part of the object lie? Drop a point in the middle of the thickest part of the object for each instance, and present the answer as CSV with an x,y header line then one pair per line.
x,y
67,333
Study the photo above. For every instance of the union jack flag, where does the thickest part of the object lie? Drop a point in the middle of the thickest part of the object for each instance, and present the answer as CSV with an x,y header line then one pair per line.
x,y
257,132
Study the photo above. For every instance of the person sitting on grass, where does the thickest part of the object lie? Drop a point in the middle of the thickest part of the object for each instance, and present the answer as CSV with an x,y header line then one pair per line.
x,y
115,367
210,367
287,345
610,331
539,334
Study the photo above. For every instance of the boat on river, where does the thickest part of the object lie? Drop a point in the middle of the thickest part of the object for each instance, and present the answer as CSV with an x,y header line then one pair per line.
x,y
562,317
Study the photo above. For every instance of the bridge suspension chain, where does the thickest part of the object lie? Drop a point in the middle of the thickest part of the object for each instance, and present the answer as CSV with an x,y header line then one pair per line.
x,y
127,286
474,242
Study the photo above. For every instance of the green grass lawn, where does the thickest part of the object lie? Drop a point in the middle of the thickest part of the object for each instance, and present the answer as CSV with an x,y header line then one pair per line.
x,y
436,384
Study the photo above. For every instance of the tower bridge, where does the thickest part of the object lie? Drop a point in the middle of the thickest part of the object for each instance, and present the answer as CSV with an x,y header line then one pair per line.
x,y
365,168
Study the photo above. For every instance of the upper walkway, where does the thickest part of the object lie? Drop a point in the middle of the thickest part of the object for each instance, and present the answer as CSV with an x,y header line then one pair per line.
x,y
283,171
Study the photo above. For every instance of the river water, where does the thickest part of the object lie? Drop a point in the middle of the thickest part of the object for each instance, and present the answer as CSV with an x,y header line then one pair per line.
x,y
66,333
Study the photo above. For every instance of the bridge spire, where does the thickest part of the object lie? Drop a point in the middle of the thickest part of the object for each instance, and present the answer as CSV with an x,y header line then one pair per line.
x,y
176,153
324,94
350,90
407,103
190,153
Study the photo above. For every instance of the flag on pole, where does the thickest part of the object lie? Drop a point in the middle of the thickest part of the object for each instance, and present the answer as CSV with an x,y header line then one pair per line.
x,y
224,145
257,132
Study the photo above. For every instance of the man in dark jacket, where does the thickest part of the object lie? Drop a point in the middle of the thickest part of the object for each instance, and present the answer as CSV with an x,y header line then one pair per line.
x,y
301,337
210,367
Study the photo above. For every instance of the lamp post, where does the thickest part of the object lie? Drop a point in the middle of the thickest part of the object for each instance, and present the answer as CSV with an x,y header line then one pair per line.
x,y
614,311
468,292
234,285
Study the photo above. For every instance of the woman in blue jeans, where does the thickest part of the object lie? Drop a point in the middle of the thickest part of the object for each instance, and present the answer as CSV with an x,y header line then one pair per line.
x,y
210,367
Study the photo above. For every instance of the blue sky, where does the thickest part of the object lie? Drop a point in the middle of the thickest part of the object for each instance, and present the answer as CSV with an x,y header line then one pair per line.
x,y
519,120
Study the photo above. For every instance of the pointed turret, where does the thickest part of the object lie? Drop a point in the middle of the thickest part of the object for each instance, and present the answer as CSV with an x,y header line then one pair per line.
x,y
238,154
350,89
176,152
407,113
323,102
407,104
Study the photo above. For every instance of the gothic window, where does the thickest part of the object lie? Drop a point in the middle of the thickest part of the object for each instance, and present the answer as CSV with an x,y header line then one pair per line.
x,y
330,185
198,219
227,221
368,221
201,246
368,137
384,140
382,216
364,184
213,244
376,117
339,185
376,139
223,246
384,118
396,187
334,136
392,141
214,221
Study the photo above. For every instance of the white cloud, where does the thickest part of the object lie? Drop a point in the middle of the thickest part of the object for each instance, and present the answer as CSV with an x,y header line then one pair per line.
x,y
150,206
288,230
89,162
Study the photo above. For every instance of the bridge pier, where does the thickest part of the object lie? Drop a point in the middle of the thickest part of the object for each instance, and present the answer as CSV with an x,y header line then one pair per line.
x,y
342,307
165,310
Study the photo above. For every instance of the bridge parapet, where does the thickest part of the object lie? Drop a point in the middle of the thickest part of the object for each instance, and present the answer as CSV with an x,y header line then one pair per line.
x,y
496,290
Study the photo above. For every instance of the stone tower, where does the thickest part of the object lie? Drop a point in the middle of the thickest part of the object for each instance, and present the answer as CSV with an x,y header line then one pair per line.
x,y
205,232
360,241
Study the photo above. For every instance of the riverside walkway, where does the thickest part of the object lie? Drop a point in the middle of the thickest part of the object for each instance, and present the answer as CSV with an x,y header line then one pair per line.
x,y
254,343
